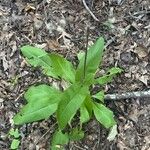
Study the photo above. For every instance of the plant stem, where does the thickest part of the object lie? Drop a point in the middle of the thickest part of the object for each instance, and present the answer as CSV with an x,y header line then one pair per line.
x,y
85,59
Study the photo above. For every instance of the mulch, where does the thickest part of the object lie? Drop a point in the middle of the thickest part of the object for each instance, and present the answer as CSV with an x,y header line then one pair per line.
x,y
60,26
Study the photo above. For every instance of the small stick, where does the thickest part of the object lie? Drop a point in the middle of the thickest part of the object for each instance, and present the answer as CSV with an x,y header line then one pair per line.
x,y
90,12
126,95
45,134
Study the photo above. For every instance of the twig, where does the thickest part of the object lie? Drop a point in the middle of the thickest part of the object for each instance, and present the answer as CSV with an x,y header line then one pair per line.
x,y
20,95
109,42
79,147
90,12
141,12
126,95
45,134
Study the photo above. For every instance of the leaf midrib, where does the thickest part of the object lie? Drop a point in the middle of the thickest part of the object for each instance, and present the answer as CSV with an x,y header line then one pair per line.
x,y
40,109
64,71
38,57
104,114
62,112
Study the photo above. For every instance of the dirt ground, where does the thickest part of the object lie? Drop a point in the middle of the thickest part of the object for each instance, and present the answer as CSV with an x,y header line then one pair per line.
x,y
60,26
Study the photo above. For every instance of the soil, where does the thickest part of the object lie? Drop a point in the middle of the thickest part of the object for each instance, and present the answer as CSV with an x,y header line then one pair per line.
x,y
60,26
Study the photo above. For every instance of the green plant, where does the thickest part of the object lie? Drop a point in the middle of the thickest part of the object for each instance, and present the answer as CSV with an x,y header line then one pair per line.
x,y
15,135
110,23
44,100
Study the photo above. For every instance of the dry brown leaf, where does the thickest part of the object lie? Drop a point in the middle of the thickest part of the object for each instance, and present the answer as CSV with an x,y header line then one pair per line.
x,y
141,51
53,44
38,22
29,7
5,63
134,114
42,46
147,143
144,79
1,100
121,145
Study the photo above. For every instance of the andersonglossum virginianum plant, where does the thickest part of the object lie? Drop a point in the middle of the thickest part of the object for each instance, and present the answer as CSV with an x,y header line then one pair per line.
x,y
45,100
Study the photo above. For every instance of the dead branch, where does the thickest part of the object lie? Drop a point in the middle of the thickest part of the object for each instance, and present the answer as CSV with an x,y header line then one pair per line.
x,y
89,11
126,95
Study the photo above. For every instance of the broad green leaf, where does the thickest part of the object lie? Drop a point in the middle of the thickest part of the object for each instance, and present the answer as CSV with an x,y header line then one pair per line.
x,y
39,58
71,101
15,144
99,96
84,114
31,52
104,115
42,103
62,67
26,115
88,80
59,140
76,134
112,134
86,110
80,55
89,105
43,91
53,65
14,133
94,58
109,76
104,79
115,70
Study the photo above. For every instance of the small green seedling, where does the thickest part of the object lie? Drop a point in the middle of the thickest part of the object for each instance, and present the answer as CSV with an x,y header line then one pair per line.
x,y
15,135
110,23
45,100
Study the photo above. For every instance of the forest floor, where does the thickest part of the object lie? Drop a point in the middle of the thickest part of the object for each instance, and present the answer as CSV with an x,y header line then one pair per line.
x,y
60,26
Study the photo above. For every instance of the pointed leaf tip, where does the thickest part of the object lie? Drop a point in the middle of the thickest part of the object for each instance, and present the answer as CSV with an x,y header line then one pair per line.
x,y
104,115
94,57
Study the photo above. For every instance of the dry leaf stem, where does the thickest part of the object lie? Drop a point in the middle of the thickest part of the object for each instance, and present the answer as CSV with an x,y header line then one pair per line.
x,y
86,51
89,11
